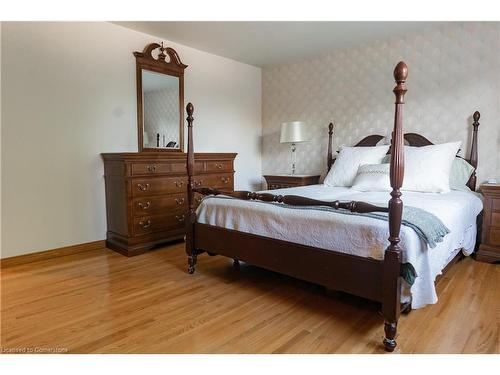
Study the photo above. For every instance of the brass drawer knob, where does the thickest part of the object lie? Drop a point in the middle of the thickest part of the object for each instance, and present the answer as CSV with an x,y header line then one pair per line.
x,y
151,168
179,184
225,180
144,206
145,224
198,183
180,218
218,166
179,201
143,187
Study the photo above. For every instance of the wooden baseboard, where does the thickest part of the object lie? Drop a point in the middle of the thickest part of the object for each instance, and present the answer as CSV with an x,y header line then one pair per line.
x,y
43,255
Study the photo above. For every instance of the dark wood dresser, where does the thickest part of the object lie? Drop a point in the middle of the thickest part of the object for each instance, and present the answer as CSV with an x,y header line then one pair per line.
x,y
288,180
146,195
489,250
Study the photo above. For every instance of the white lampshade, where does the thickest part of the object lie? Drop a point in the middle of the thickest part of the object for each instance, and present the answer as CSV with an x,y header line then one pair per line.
x,y
293,132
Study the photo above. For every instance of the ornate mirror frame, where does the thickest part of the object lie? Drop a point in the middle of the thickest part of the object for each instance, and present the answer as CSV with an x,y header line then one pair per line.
x,y
173,67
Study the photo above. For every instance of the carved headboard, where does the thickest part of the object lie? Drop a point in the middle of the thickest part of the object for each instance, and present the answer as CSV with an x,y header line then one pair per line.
x,y
415,140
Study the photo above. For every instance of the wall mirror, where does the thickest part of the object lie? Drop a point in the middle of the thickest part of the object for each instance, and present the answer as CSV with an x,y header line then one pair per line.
x,y
160,99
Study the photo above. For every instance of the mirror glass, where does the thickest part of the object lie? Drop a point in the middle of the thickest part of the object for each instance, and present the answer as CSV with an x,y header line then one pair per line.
x,y
160,98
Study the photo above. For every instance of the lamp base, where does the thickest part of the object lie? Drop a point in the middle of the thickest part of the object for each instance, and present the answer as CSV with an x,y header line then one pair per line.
x,y
293,156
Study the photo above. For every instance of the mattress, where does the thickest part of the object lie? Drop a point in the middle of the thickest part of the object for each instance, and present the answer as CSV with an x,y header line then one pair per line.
x,y
358,235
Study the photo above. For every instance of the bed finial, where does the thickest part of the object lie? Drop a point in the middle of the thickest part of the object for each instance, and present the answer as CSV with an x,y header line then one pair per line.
x,y
473,151
401,72
191,216
189,110
400,75
476,118
329,159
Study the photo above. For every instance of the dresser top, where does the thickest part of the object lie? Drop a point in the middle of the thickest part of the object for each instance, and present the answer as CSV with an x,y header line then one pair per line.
x,y
134,156
490,189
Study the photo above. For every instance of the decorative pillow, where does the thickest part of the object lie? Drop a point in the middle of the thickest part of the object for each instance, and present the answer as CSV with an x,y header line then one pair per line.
x,y
427,169
460,173
372,177
346,165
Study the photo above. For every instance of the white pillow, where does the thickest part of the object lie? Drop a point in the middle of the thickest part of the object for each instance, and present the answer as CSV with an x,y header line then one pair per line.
x,y
427,169
346,165
372,177
460,174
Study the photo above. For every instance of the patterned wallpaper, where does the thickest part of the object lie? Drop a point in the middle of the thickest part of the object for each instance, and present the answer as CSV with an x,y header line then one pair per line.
x,y
161,115
453,71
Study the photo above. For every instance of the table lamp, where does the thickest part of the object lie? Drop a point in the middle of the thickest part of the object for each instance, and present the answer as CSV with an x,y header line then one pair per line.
x,y
293,132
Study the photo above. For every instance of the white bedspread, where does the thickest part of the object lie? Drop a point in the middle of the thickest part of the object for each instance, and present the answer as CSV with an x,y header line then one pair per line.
x,y
358,235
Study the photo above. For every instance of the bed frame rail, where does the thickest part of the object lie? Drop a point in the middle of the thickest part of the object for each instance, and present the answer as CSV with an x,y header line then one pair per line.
x,y
294,200
337,271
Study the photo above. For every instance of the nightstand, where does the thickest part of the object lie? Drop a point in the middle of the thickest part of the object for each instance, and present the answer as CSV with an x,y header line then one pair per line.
x,y
489,250
287,180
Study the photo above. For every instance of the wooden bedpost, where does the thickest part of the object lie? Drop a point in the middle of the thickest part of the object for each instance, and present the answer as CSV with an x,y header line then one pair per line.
x,y
329,158
392,259
191,216
473,151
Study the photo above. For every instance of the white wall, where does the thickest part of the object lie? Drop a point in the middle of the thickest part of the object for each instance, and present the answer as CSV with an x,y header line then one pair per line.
x,y
69,94
453,71
0,138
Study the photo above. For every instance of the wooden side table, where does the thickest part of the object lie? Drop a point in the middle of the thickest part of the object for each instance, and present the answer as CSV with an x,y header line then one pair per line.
x,y
288,180
489,250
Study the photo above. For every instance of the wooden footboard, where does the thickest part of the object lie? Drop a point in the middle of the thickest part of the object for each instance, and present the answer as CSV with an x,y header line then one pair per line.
x,y
376,280
337,271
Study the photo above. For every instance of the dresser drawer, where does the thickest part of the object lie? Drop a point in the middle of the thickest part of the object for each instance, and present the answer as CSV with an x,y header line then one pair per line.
x,y
495,204
287,181
158,223
160,185
159,204
140,169
222,181
495,219
197,199
494,237
182,167
145,168
274,186
219,166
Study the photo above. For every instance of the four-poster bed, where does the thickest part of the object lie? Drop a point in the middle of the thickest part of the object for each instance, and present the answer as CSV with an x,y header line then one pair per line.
x,y
377,280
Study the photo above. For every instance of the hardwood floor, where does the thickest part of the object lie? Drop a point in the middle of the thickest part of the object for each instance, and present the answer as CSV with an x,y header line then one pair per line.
x,y
102,302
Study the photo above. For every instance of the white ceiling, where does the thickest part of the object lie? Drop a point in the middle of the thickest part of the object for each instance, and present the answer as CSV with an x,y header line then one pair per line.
x,y
271,43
